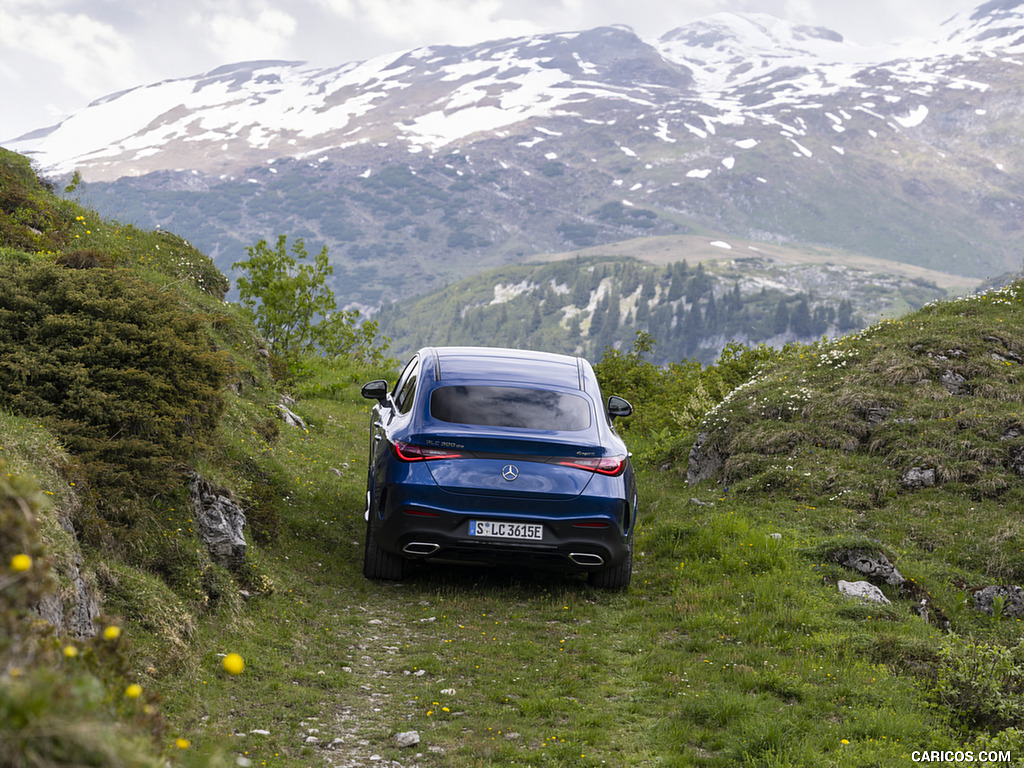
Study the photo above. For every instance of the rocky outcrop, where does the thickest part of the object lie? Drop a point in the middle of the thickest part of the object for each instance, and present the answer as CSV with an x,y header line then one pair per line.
x,y
703,463
874,565
288,416
954,383
918,477
1016,462
1011,597
219,520
75,607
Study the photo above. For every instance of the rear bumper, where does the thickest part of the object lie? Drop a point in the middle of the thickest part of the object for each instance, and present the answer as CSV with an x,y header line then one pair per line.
x,y
584,534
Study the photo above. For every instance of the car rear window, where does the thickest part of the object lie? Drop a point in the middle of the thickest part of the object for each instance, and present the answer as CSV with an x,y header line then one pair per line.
x,y
510,407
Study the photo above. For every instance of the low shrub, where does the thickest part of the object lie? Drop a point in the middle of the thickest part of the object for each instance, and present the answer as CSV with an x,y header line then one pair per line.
x,y
670,401
130,383
980,686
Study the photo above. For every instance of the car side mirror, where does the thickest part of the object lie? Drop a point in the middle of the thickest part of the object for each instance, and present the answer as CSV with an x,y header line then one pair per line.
x,y
376,390
618,406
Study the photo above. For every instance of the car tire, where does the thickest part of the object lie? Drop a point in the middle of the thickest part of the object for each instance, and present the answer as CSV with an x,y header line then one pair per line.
x,y
378,564
616,577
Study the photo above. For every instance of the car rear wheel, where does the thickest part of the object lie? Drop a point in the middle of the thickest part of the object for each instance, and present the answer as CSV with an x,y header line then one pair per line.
x,y
378,564
616,577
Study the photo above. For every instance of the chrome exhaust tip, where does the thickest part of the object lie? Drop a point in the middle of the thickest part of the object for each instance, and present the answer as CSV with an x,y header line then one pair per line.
x,y
420,548
586,558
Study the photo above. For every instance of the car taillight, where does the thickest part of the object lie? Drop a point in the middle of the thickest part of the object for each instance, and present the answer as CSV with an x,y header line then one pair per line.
x,y
410,452
603,465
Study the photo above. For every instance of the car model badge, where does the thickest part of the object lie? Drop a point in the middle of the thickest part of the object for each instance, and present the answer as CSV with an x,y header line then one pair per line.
x,y
510,472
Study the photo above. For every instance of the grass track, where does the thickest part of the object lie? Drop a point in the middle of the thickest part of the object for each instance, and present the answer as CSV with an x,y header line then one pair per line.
x,y
730,648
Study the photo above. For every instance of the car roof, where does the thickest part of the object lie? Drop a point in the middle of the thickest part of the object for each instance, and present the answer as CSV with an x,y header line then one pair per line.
x,y
512,366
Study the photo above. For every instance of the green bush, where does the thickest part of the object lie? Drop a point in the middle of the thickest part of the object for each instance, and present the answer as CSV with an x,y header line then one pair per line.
x,y
980,686
295,310
15,255
128,381
670,401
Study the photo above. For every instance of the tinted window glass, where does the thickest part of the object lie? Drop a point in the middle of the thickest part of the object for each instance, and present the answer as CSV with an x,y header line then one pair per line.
x,y
510,407
406,386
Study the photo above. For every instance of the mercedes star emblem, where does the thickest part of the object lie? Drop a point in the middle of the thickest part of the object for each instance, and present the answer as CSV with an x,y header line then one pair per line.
x,y
510,472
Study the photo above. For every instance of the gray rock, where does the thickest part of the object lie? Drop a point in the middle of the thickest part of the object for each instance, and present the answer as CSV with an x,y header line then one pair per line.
x,y
86,604
1017,462
954,383
73,609
1012,596
874,565
877,414
407,739
921,609
863,590
219,520
918,477
289,417
703,464
1006,356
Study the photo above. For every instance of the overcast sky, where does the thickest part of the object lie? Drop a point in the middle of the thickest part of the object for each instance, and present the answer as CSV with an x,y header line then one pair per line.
x,y
56,56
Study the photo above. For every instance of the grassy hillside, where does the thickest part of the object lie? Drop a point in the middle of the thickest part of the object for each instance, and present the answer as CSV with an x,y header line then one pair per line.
x,y
732,647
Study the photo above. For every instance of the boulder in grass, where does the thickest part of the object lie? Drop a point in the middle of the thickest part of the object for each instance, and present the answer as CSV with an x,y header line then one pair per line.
x,y
863,590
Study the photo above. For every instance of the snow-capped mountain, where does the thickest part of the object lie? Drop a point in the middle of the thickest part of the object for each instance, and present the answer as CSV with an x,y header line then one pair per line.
x,y
425,100
727,69
455,158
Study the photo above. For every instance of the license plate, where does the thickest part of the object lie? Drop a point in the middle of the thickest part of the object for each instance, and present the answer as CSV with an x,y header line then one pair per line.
x,y
488,529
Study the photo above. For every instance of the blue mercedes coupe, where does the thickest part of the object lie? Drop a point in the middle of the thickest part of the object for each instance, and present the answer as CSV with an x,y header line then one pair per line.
x,y
498,456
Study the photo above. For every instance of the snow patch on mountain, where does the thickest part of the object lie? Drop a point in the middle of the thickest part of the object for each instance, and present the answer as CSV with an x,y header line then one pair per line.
x,y
723,72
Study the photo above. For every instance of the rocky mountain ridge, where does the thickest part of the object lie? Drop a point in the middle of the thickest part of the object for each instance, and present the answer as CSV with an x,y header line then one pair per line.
x,y
692,311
